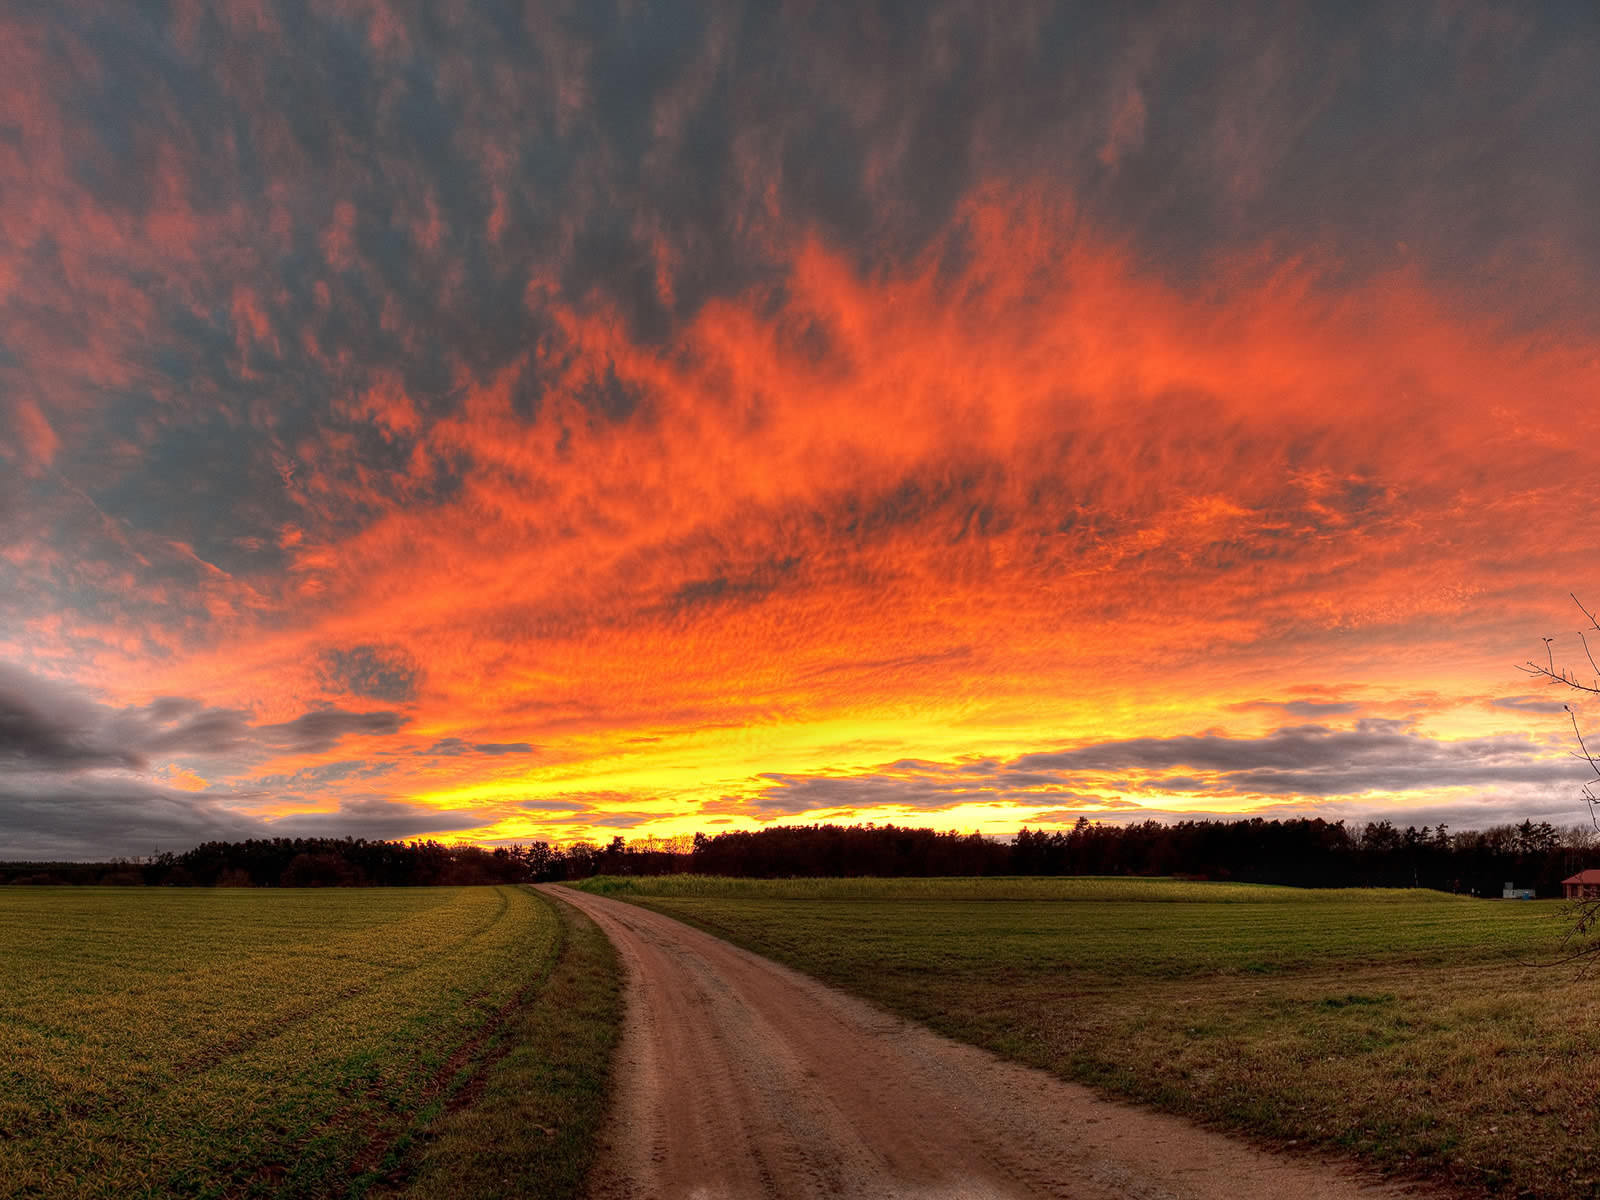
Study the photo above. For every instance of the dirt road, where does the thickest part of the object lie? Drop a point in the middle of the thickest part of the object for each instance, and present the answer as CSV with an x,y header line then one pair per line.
x,y
738,1078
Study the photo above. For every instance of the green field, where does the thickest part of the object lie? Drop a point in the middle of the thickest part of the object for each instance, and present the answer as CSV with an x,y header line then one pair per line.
x,y
1401,1027
297,1043
1016,887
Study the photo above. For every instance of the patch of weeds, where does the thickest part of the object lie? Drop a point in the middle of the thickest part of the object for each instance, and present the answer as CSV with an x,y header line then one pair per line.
x,y
1352,1000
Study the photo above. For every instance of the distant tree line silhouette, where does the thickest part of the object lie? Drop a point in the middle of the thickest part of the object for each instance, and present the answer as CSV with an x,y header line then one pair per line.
x,y
295,862
1308,852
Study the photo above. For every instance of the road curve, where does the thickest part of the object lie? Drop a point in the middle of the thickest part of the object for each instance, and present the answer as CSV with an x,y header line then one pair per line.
x,y
738,1078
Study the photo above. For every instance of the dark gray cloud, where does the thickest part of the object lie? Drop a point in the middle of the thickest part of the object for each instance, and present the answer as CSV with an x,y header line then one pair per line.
x,y
1375,757
45,727
324,728
98,816
377,672
51,816
453,747
72,783
1301,708
1532,704
185,728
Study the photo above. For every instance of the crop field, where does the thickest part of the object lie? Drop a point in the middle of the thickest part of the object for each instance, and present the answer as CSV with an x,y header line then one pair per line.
x,y
293,1043
1405,1028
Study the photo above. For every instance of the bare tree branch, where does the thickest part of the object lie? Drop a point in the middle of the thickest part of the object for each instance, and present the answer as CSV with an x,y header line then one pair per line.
x,y
1583,913
1593,621
1561,676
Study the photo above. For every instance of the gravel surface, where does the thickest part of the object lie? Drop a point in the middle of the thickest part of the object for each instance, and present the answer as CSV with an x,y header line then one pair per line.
x,y
739,1078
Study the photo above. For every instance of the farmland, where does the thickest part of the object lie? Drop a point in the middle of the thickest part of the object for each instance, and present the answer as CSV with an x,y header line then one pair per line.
x,y
1404,1028
299,1043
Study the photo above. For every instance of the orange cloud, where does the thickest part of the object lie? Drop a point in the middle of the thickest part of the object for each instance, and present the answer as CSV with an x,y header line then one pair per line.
x,y
1041,500
715,441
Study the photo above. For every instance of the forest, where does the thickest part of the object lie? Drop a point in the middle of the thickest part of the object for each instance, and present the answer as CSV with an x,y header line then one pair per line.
x,y
1299,852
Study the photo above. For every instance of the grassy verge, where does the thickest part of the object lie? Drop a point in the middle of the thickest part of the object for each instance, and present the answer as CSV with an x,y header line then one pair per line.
x,y
525,1124
1404,1030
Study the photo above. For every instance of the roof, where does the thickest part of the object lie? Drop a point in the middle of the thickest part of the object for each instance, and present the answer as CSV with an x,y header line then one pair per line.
x,y
1590,876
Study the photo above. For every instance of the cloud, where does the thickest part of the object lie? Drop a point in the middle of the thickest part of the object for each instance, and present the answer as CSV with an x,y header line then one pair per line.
x,y
324,728
1314,760
1309,762
48,725
50,816
376,672
1529,704
76,818
183,727
453,747
1300,708
312,781
333,261
658,394
44,727
376,818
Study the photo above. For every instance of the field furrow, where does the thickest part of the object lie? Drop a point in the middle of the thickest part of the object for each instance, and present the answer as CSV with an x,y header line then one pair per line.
x,y
244,1043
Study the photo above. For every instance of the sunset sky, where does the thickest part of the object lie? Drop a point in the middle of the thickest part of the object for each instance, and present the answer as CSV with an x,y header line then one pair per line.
x,y
502,422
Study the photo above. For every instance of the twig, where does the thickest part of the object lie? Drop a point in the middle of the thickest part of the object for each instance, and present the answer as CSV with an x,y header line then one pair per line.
x,y
1592,619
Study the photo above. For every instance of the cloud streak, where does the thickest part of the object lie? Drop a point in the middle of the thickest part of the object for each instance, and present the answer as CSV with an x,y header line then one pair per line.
x,y
1374,758
48,726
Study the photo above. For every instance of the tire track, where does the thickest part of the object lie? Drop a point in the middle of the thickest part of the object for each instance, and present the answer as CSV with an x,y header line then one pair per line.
x,y
381,1136
208,1058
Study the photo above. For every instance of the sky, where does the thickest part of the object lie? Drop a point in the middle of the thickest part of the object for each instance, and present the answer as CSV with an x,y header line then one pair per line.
x,y
503,422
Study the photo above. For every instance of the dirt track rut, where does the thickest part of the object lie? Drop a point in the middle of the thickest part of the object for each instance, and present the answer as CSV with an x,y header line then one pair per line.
x,y
738,1078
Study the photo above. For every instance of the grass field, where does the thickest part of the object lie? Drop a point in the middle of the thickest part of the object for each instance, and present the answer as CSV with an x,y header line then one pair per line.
x,y
1401,1027
295,1043
1019,887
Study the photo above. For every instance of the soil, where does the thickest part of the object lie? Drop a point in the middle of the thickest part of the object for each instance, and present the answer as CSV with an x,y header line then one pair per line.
x,y
738,1078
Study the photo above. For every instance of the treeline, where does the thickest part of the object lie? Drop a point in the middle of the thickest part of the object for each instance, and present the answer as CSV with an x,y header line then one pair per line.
x,y
1301,852
1317,853
297,862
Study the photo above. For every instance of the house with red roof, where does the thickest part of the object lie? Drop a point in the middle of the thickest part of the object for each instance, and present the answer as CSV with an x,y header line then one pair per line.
x,y
1585,885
